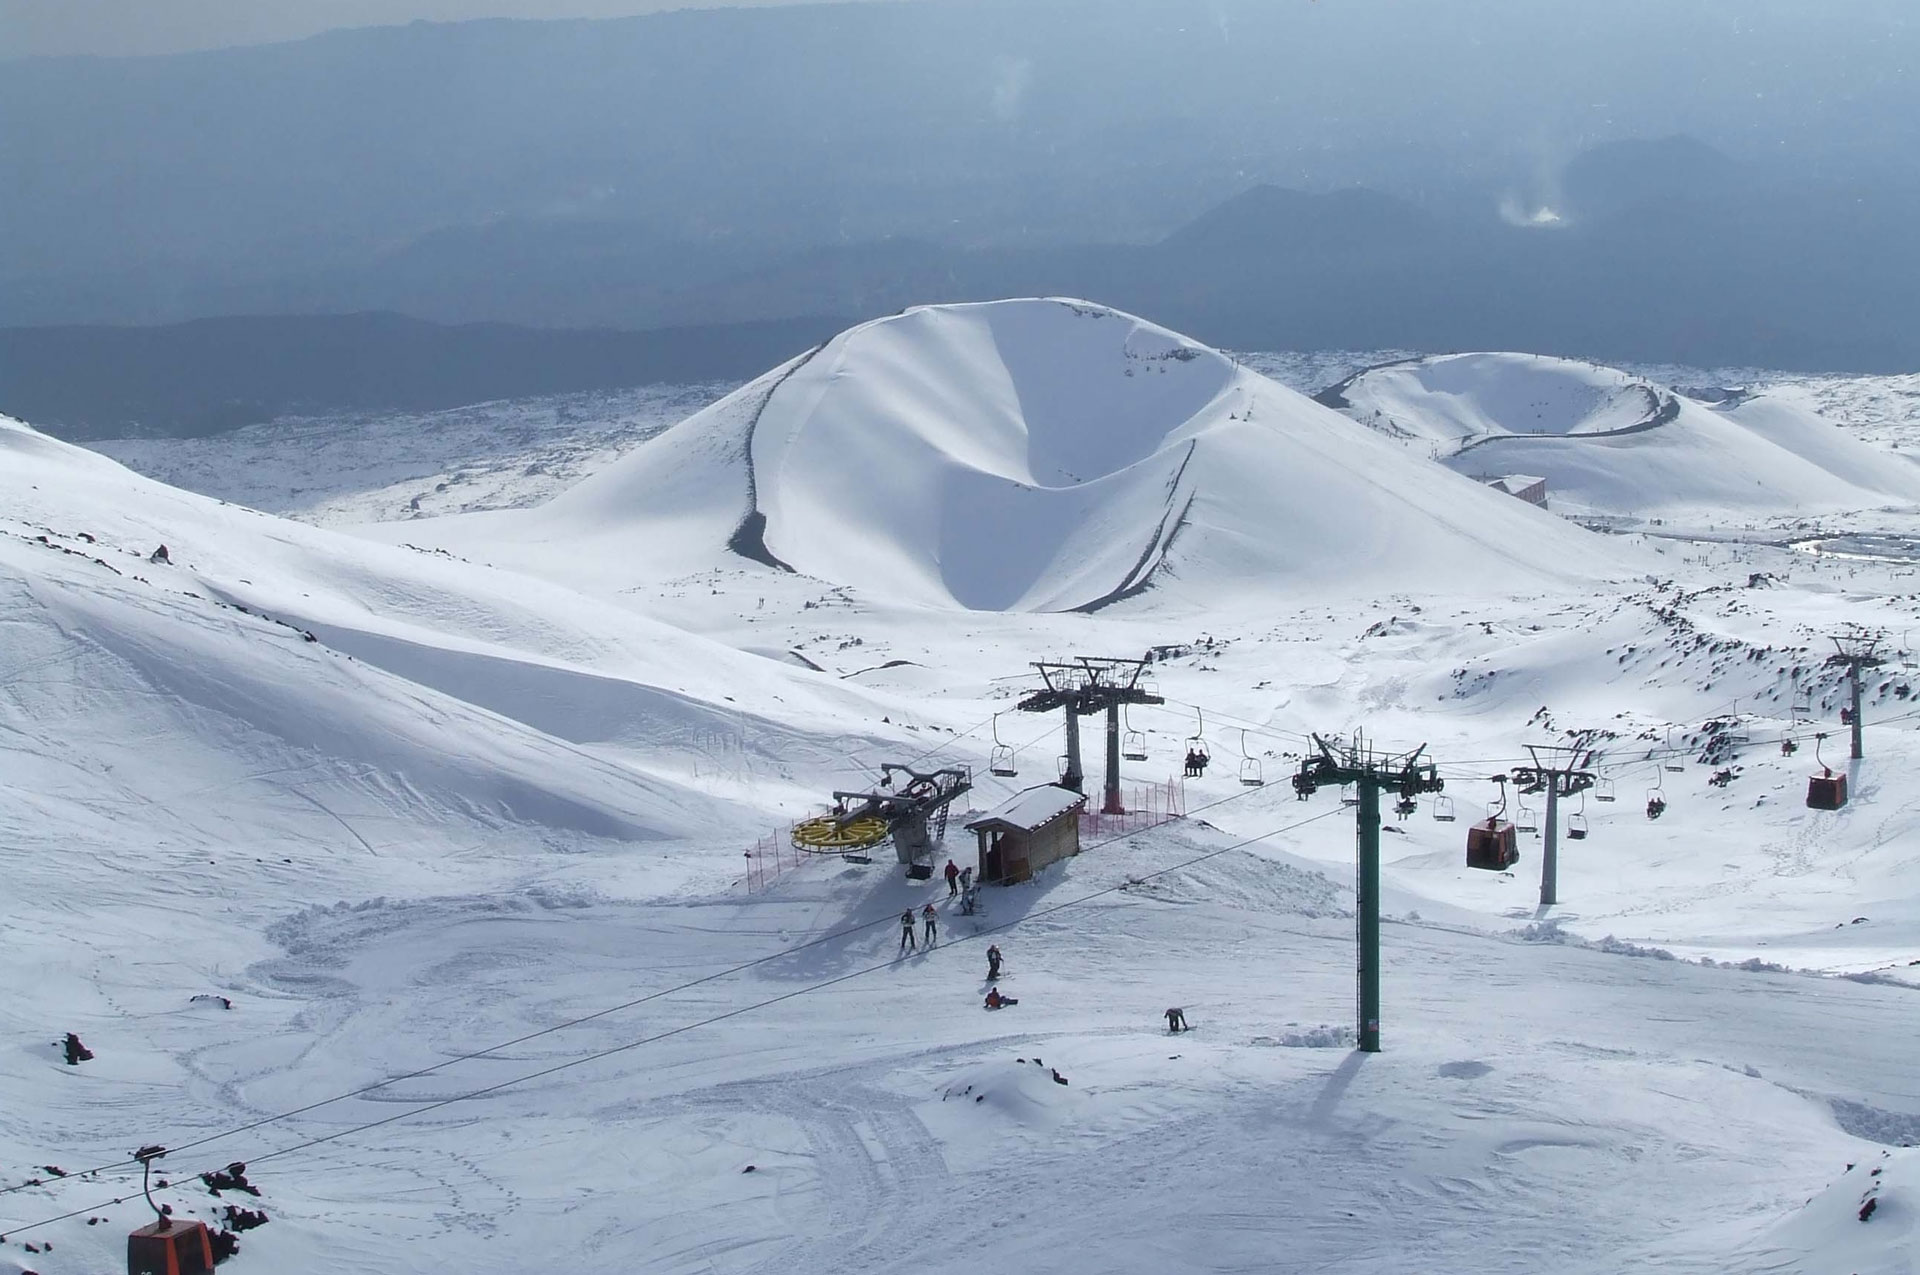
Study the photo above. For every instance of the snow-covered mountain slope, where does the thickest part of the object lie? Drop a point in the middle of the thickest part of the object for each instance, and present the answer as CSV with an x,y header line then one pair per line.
x,y
476,687
1034,455
1611,443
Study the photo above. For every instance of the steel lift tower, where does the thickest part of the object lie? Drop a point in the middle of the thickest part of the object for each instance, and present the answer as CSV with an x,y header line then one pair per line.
x,y
1407,774
1079,688
1856,651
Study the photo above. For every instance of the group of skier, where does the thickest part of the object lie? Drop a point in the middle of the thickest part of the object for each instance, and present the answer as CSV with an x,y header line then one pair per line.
x,y
960,884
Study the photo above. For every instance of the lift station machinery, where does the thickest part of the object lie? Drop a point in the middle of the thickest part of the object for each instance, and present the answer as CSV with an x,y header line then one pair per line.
x,y
908,807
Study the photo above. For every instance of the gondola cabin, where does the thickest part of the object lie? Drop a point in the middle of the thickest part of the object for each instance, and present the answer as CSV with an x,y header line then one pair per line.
x,y
168,1247
1827,791
1493,845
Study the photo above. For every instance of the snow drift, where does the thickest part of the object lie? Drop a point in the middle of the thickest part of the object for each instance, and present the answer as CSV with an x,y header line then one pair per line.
x,y
1030,455
1608,442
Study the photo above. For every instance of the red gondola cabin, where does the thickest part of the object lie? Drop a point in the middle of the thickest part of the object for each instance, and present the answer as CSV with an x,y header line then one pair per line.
x,y
1493,845
169,1247
1827,791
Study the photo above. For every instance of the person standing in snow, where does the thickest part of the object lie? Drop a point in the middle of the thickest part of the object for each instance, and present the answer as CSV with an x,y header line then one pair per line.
x,y
953,878
932,920
993,961
906,931
1176,1020
966,878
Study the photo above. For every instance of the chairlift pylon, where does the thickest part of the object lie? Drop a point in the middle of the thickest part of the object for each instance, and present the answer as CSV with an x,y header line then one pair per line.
x,y
1000,760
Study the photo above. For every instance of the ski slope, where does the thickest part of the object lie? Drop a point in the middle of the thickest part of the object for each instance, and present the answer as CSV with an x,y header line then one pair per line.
x,y
1613,444
490,830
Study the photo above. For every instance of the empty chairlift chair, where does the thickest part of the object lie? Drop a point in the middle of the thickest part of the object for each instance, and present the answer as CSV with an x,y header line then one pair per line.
x,y
1443,810
1133,745
1603,790
1000,761
1577,821
1528,819
1676,758
1249,766
1826,790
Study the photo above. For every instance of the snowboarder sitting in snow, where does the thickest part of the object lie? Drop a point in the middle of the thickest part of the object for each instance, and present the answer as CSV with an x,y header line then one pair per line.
x,y
932,919
993,962
995,1000
906,931
953,878
1176,1020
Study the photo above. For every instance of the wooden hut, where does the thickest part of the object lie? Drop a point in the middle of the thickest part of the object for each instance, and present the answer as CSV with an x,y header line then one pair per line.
x,y
1029,831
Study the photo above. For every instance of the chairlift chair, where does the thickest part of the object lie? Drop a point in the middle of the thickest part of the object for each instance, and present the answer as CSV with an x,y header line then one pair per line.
x,y
1577,821
1249,765
1603,791
1133,745
1443,810
1405,806
1676,761
1656,798
1000,760
1197,754
1527,818
1349,795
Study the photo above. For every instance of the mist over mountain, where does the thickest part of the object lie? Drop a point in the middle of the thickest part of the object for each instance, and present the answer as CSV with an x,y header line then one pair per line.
x,y
1601,179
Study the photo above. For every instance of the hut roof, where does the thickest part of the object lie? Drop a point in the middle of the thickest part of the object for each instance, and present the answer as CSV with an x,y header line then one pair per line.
x,y
1029,810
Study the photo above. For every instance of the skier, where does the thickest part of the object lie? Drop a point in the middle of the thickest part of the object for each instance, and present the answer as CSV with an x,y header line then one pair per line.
x,y
966,878
906,931
932,919
969,901
953,878
995,1000
1176,1020
993,961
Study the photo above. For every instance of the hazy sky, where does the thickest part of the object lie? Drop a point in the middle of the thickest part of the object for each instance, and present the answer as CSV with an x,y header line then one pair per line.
x,y
34,27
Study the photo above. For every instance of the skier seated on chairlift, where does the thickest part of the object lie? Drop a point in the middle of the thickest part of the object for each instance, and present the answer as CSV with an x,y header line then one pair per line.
x,y
995,1000
1196,763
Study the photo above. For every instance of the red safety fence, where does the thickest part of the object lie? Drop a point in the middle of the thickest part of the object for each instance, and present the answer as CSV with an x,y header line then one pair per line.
x,y
1148,806
771,858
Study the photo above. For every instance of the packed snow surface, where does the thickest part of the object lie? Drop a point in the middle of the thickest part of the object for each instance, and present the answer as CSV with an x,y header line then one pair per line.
x,y
438,872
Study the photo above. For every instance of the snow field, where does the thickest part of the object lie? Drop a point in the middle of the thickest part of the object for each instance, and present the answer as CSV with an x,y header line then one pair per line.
x,y
508,785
